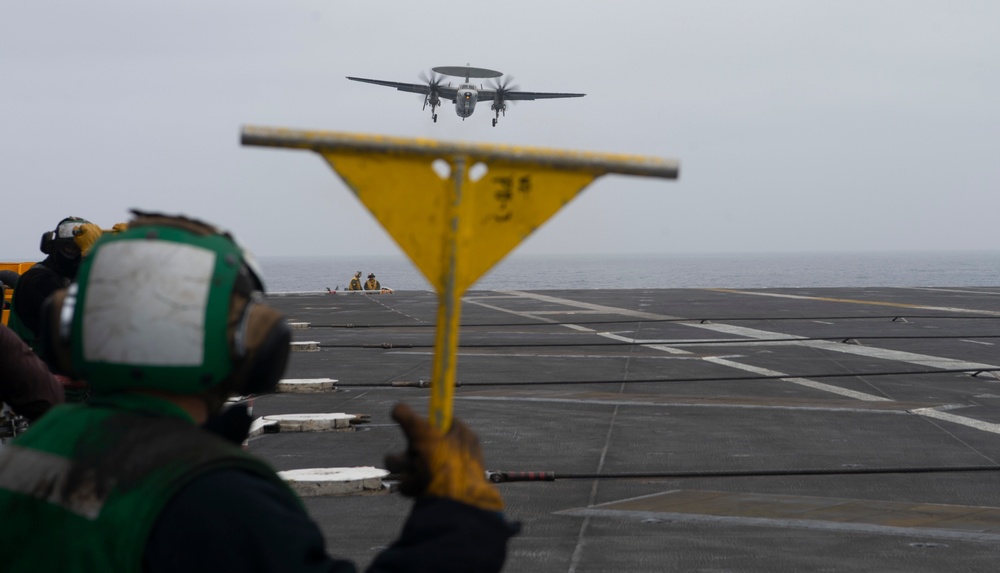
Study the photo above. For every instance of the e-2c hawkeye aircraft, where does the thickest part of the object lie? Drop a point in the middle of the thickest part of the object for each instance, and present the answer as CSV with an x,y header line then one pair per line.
x,y
466,94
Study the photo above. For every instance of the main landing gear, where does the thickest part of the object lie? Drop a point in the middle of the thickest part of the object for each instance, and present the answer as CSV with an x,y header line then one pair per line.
x,y
498,107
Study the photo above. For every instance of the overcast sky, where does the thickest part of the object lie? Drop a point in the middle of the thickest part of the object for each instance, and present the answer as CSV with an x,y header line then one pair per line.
x,y
799,125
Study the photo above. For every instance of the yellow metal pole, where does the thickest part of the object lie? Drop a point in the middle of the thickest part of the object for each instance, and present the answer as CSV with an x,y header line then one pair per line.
x,y
455,229
449,312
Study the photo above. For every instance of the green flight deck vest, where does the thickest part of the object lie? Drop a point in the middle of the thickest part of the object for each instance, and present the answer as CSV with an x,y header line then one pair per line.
x,y
82,489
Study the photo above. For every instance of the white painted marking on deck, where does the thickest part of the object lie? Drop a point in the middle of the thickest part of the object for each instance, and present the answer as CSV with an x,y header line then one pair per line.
x,y
977,342
591,306
685,355
868,351
617,337
763,335
856,301
565,312
800,381
937,414
774,338
956,290
665,348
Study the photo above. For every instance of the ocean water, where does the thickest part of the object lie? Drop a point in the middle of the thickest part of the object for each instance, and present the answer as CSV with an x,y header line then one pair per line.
x,y
768,270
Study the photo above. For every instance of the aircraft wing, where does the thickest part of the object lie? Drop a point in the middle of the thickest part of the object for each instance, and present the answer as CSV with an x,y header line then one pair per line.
x,y
523,96
443,91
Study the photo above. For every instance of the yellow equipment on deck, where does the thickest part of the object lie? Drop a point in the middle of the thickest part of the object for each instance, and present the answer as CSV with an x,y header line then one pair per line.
x,y
18,268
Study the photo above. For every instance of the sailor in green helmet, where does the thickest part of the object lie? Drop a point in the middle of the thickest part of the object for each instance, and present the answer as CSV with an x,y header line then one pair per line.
x,y
165,323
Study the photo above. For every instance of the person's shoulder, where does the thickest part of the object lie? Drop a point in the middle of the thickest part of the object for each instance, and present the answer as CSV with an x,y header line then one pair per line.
x,y
227,484
231,520
40,274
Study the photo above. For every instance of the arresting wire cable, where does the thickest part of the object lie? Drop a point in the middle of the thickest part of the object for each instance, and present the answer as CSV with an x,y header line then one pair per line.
x,y
520,476
703,320
699,342
973,372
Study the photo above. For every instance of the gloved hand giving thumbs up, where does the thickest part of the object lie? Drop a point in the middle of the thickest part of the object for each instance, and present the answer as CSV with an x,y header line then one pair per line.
x,y
443,464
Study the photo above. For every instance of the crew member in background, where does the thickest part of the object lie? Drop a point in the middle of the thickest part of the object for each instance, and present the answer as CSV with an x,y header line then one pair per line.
x,y
65,247
26,385
8,280
355,283
372,284
138,485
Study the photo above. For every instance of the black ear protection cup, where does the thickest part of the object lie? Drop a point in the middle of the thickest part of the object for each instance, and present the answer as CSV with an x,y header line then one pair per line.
x,y
55,343
47,245
268,343
260,342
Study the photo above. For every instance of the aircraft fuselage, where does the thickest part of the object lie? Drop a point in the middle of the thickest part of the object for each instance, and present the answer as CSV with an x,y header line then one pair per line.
x,y
465,100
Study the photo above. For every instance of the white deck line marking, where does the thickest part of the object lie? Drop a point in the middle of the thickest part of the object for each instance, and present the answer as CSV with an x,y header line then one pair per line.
x,y
564,312
977,342
666,348
895,355
855,301
591,306
970,422
868,351
602,356
763,335
800,381
617,337
509,311
956,290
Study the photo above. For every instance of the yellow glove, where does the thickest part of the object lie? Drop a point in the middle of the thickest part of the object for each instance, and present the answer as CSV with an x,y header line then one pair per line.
x,y
86,235
442,464
118,228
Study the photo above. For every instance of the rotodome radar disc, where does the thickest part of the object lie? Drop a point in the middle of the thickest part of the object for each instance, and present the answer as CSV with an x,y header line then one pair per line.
x,y
467,72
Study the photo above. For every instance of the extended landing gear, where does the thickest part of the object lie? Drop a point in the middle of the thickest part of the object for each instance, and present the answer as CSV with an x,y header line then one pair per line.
x,y
434,102
498,107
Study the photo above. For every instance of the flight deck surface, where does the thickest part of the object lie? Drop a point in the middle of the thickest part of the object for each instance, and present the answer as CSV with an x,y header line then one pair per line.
x,y
687,429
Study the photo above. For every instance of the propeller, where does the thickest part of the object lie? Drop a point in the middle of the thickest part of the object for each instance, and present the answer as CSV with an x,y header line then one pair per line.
x,y
433,82
502,88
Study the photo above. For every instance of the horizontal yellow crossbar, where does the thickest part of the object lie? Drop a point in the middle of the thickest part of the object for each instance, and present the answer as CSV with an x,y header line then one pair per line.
x,y
596,163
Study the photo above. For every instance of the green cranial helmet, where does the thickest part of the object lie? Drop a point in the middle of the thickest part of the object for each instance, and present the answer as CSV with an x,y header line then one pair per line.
x,y
169,305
